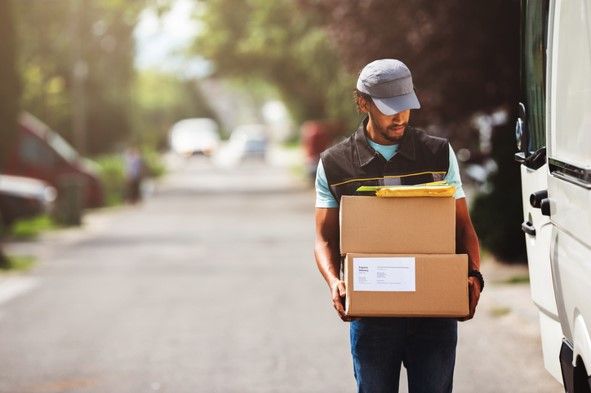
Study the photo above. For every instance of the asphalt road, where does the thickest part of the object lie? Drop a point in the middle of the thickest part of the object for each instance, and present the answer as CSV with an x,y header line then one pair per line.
x,y
210,286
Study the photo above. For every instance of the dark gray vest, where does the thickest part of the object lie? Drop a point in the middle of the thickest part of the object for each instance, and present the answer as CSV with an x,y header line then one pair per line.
x,y
421,158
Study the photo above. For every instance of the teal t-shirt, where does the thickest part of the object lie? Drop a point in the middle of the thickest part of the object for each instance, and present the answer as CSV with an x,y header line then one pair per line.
x,y
325,199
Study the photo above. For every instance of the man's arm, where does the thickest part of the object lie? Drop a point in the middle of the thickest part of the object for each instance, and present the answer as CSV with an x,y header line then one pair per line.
x,y
328,258
467,242
466,238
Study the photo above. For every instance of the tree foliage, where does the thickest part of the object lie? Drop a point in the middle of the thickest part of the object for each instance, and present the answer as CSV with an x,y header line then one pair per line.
x,y
159,101
9,81
464,57
53,34
273,41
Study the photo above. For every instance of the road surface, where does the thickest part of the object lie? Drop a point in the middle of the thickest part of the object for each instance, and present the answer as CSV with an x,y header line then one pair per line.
x,y
210,286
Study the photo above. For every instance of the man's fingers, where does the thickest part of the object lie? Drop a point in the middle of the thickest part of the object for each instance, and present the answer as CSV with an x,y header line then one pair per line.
x,y
338,305
342,289
474,297
340,310
338,294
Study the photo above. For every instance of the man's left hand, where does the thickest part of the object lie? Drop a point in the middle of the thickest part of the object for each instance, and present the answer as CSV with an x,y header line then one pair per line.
x,y
474,292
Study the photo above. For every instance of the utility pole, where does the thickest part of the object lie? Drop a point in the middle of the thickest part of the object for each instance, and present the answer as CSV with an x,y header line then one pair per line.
x,y
79,75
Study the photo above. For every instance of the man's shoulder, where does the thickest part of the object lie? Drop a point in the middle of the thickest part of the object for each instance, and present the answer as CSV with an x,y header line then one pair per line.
x,y
340,148
433,143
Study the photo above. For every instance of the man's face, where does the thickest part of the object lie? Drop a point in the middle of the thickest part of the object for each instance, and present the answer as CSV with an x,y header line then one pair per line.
x,y
383,129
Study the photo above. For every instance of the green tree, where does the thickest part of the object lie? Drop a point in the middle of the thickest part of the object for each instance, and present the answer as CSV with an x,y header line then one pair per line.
x,y
274,42
463,55
465,60
44,59
9,90
159,101
53,34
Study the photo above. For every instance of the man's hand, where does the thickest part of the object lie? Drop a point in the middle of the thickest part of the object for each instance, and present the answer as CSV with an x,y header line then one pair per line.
x,y
474,292
338,292
328,258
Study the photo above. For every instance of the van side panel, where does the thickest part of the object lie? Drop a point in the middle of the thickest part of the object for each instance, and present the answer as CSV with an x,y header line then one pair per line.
x,y
538,245
570,117
571,258
569,156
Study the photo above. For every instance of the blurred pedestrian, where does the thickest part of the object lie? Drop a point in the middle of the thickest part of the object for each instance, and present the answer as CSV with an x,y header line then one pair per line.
x,y
134,173
315,139
386,150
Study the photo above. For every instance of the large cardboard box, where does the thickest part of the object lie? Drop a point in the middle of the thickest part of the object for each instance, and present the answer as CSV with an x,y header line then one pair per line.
x,y
417,225
406,285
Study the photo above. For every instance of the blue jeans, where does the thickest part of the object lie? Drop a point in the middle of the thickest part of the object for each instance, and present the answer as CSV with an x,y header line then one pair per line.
x,y
426,347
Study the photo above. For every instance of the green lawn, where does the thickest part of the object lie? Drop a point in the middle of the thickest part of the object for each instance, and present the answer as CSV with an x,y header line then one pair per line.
x,y
30,228
18,263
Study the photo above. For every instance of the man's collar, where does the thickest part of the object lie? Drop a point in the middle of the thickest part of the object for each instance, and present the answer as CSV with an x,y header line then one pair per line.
x,y
366,153
364,150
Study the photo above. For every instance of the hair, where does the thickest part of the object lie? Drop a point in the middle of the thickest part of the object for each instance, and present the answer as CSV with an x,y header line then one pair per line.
x,y
357,95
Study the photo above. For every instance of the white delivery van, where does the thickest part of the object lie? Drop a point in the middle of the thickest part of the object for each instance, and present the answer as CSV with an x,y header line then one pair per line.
x,y
554,138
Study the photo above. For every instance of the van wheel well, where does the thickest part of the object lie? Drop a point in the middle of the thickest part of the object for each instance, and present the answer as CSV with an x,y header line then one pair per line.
x,y
582,382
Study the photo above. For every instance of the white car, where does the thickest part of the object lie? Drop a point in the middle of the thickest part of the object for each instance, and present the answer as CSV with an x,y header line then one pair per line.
x,y
197,136
249,141
23,197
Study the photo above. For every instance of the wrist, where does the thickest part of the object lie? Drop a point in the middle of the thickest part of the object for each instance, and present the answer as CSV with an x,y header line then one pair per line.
x,y
333,281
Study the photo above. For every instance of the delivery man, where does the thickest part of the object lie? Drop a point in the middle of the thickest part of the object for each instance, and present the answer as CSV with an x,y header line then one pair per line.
x,y
386,150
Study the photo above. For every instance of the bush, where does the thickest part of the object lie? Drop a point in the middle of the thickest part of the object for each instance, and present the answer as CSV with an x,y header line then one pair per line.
x,y
112,175
30,228
112,172
18,263
153,163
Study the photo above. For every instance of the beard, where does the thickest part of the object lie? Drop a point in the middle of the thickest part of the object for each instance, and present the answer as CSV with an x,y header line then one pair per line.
x,y
393,133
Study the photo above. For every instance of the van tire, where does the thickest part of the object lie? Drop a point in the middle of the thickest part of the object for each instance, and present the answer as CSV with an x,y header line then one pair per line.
x,y
582,381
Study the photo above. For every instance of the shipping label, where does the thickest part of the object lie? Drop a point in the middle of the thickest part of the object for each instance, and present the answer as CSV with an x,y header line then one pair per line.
x,y
384,274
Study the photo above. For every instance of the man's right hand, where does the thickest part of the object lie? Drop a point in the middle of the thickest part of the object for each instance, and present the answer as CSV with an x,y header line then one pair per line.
x,y
338,293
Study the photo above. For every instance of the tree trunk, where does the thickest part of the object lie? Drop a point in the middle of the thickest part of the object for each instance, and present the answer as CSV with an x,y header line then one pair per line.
x,y
9,91
4,263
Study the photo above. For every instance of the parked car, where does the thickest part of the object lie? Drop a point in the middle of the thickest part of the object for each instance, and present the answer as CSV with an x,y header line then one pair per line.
x,y
42,153
249,141
196,136
24,197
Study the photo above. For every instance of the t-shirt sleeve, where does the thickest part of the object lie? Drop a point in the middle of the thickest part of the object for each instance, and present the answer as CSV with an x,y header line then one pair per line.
x,y
453,175
324,198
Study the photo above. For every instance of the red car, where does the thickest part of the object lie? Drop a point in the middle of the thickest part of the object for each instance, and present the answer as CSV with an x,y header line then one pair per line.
x,y
41,153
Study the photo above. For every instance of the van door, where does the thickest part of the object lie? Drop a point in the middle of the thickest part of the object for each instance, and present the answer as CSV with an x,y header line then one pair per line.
x,y
569,181
531,138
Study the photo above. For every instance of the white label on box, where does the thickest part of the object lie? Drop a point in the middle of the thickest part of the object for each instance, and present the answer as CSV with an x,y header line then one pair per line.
x,y
384,274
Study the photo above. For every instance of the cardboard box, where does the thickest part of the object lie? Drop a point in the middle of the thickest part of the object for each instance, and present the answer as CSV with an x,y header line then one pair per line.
x,y
417,225
406,285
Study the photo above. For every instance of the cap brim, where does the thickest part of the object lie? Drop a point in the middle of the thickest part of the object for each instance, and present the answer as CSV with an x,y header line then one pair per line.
x,y
391,105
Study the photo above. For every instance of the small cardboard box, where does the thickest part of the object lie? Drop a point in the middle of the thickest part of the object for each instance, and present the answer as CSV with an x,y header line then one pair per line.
x,y
406,285
417,225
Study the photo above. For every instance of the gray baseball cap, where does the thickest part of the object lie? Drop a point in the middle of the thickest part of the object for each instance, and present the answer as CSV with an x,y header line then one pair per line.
x,y
389,83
